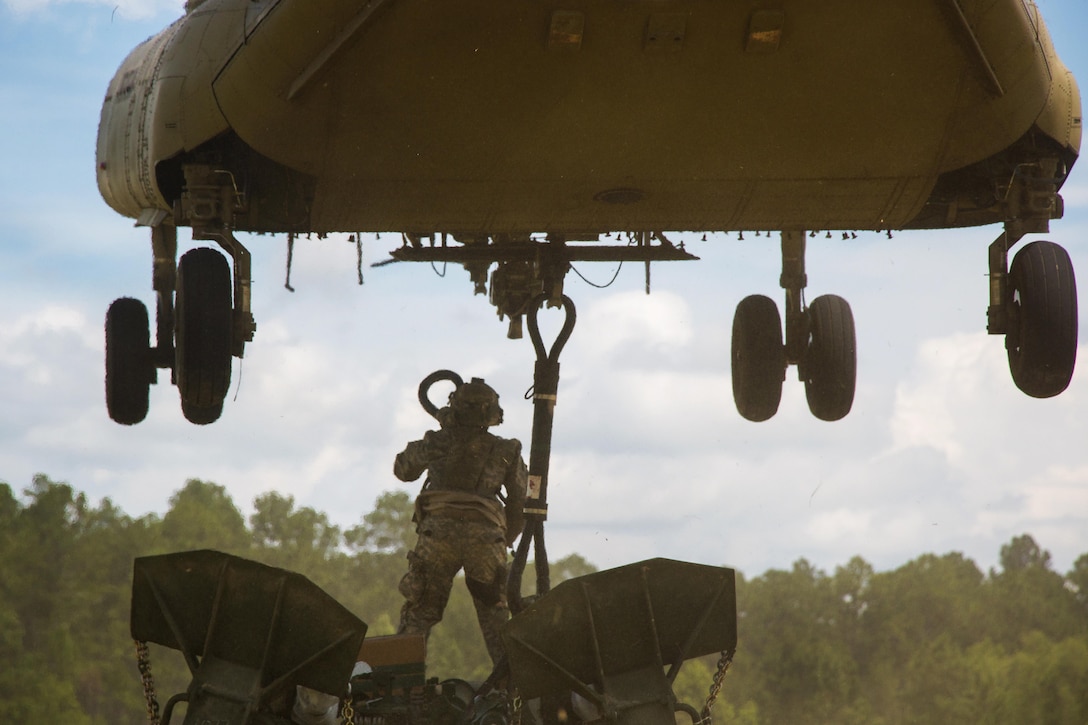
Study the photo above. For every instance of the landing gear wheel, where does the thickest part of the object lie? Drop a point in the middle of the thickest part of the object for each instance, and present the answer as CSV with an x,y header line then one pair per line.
x,y
203,327
759,358
129,370
1042,331
829,367
201,415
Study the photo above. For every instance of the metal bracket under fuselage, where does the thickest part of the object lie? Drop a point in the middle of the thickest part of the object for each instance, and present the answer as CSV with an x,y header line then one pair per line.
x,y
1031,200
210,203
527,267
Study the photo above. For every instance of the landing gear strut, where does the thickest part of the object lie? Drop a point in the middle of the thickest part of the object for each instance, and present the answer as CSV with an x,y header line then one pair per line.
x,y
820,340
202,319
1034,304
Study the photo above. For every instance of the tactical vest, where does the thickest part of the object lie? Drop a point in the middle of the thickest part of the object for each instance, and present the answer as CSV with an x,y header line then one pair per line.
x,y
468,462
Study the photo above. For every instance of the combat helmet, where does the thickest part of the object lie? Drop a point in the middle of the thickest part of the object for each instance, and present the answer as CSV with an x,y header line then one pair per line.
x,y
475,403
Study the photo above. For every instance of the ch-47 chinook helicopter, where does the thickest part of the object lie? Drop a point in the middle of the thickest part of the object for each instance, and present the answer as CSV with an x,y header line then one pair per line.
x,y
520,133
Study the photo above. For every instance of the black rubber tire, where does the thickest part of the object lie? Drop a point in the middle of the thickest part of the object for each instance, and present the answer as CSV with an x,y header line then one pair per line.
x,y
1042,319
829,367
202,334
759,358
201,415
129,369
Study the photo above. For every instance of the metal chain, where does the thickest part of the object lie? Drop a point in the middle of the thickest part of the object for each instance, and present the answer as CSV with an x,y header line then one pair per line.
x,y
716,687
143,662
347,715
515,707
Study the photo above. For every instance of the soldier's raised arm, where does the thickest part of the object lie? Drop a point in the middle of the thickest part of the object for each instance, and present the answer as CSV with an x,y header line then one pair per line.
x,y
412,461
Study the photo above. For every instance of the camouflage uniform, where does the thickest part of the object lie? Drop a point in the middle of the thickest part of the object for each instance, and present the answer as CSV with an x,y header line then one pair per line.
x,y
462,524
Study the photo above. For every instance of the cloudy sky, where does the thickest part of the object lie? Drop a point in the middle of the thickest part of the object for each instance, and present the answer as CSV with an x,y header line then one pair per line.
x,y
941,452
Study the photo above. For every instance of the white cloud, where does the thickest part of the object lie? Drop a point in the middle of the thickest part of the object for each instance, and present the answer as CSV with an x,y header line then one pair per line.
x,y
1054,497
1007,459
949,372
833,526
37,349
621,321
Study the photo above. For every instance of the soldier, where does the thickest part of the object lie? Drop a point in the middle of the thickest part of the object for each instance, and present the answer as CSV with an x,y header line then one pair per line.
x,y
460,514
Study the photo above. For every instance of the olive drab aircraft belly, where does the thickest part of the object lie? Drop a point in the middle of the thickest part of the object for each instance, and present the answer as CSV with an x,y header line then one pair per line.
x,y
490,116
489,121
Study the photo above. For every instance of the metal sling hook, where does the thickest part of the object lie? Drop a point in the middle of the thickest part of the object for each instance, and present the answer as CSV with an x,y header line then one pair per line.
x,y
545,387
564,333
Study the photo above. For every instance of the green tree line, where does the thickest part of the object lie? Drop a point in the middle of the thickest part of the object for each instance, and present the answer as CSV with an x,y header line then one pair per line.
x,y
935,641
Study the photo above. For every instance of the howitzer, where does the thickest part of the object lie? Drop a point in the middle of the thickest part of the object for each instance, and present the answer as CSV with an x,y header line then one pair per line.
x,y
262,642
